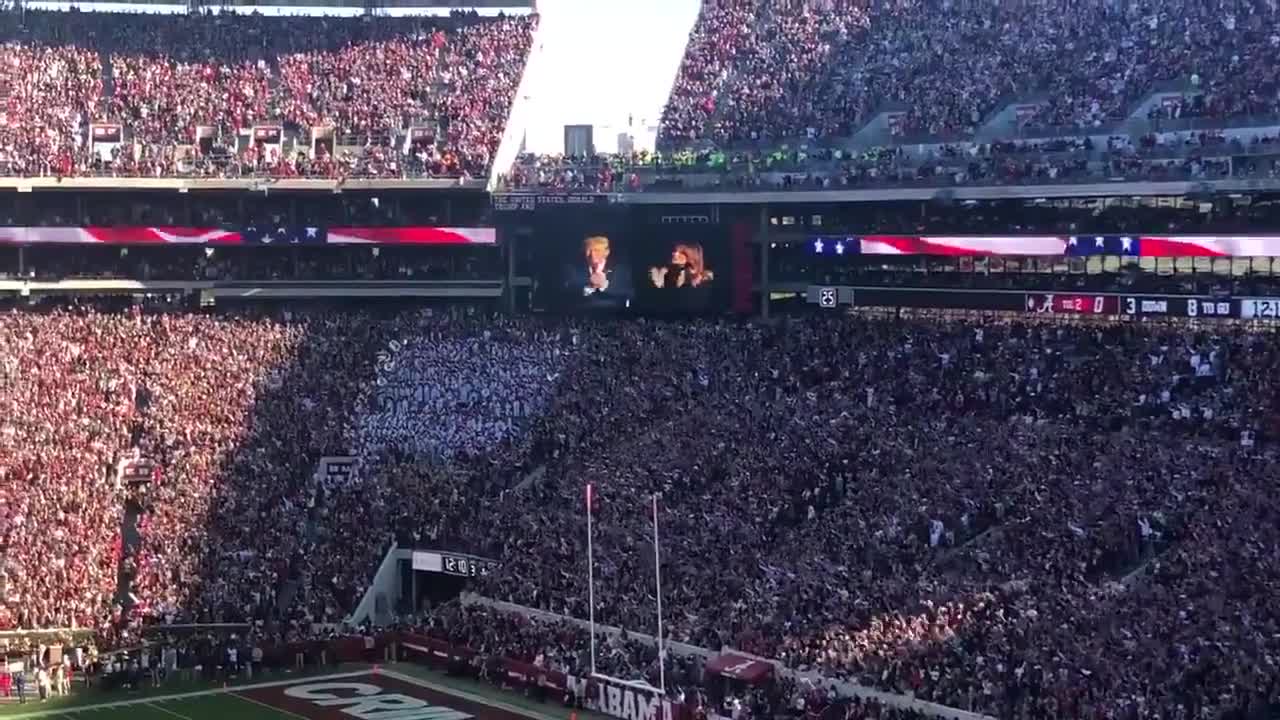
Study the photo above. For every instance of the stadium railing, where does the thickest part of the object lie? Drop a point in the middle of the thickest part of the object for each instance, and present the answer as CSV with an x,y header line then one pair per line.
x,y
813,678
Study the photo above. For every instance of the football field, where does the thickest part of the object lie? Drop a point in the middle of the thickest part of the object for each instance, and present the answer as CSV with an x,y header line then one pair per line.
x,y
403,693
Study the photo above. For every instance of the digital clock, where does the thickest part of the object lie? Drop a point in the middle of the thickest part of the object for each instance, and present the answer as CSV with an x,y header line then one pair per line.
x,y
466,566
1260,307
452,563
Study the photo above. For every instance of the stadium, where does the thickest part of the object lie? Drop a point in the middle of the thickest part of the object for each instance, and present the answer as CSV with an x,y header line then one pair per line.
x,y
671,360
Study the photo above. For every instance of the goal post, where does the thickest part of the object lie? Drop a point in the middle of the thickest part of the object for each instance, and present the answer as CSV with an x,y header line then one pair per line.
x,y
591,606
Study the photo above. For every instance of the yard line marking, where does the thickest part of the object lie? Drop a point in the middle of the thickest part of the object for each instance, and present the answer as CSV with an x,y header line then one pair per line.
x,y
271,707
167,711
183,696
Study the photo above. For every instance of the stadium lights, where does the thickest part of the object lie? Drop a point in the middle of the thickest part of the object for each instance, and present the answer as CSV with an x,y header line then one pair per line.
x,y
817,246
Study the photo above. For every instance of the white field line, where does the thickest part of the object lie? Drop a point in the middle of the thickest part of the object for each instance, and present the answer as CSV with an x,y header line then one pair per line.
x,y
465,695
273,708
181,696
167,711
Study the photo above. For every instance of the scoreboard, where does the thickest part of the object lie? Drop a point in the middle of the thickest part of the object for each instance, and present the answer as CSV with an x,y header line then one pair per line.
x,y
1048,303
1073,304
1178,306
452,563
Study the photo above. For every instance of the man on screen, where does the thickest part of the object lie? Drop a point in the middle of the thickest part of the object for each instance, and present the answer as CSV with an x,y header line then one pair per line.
x,y
597,281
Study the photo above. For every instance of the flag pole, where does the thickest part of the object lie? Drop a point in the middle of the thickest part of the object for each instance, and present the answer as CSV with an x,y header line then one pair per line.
x,y
657,578
591,586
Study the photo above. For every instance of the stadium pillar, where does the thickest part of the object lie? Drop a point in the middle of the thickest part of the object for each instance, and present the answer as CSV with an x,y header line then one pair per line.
x,y
22,261
413,590
509,246
763,238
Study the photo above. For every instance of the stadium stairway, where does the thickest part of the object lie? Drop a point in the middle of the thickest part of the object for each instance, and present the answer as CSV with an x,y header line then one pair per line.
x,y
329,469
130,542
108,77
298,574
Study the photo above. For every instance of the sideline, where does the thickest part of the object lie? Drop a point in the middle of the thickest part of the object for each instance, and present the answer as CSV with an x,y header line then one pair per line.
x,y
73,711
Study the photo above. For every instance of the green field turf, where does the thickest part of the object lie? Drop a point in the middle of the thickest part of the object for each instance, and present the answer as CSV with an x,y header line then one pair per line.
x,y
216,703
86,707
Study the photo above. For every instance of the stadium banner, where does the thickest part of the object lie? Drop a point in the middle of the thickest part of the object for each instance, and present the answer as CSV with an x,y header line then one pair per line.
x,y
627,700
618,699
250,235
419,235
522,674
434,652
1174,246
528,202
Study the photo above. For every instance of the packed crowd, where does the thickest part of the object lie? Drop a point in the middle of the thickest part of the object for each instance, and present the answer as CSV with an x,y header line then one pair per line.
x,y
188,90
484,385
1163,157
446,402
564,647
49,96
1014,518
58,541
206,401
809,68
992,517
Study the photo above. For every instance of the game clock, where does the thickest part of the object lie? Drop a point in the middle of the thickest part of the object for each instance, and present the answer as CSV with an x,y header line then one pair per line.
x,y
1073,304
466,566
1260,307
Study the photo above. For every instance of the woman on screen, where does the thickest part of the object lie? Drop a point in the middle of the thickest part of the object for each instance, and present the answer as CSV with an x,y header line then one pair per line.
x,y
687,269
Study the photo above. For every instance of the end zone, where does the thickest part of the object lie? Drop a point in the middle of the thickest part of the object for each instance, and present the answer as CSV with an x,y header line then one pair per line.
x,y
380,695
